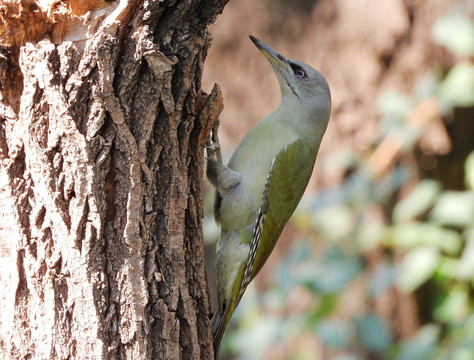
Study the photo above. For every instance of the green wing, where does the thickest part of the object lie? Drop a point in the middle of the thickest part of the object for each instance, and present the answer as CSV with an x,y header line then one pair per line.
x,y
289,175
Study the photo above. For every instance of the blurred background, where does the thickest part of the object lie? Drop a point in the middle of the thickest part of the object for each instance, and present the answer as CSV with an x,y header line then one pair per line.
x,y
378,260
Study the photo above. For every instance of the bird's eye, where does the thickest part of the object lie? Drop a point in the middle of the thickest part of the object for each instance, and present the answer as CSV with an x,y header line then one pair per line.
x,y
300,73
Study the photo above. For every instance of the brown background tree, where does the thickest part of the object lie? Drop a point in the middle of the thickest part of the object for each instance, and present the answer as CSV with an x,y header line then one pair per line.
x,y
103,126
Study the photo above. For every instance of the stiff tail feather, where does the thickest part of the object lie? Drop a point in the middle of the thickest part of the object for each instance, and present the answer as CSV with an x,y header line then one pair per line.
x,y
221,321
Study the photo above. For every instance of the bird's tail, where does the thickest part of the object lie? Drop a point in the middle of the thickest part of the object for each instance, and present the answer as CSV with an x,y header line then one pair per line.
x,y
221,321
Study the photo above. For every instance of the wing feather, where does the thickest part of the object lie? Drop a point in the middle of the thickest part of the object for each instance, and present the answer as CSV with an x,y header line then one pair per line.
x,y
288,177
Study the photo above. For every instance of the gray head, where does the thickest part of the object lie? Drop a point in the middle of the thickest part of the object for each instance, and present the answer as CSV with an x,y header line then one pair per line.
x,y
299,82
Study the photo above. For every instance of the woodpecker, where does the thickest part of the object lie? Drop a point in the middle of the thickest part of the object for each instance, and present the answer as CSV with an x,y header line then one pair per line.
x,y
257,192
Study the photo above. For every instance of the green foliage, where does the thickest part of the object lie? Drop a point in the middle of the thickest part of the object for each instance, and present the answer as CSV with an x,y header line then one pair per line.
x,y
372,334
417,267
419,201
422,346
458,87
323,274
323,292
455,31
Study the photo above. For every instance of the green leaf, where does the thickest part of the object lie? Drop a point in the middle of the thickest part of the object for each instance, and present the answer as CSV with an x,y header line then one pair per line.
x,y
334,222
418,201
427,86
369,234
456,32
465,265
416,268
463,353
394,105
454,208
331,274
327,304
469,171
455,306
252,341
346,357
457,89
422,346
334,334
372,334
410,235
448,268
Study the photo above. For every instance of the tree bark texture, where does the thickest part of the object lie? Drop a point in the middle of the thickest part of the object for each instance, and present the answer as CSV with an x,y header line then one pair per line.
x,y
102,131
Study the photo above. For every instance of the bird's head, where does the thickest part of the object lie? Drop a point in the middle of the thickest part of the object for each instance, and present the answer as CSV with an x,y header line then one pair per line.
x,y
299,82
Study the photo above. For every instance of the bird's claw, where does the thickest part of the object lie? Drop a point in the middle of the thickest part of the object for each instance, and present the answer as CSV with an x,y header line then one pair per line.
x,y
212,145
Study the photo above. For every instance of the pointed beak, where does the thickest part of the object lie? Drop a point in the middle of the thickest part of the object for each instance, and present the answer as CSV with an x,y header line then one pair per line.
x,y
275,59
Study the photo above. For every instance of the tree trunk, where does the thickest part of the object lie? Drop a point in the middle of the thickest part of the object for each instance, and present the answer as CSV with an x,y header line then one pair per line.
x,y
102,131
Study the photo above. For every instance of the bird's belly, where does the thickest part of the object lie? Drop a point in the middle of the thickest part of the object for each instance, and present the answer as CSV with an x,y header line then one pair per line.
x,y
237,209
235,253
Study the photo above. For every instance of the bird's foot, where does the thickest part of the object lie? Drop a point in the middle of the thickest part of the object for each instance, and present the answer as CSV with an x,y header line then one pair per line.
x,y
213,146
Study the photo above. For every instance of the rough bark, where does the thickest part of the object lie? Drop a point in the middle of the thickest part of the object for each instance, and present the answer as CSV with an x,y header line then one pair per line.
x,y
102,131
